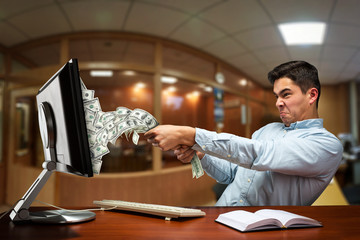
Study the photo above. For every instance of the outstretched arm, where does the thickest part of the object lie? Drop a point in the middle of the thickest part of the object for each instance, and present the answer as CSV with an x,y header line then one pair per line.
x,y
171,137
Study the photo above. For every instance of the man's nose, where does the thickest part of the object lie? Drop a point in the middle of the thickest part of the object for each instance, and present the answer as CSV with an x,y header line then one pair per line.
x,y
279,103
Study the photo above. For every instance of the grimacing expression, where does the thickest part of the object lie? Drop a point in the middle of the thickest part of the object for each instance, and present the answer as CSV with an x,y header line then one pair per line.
x,y
292,103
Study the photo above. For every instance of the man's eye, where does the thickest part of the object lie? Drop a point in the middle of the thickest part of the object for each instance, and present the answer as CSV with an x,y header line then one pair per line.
x,y
286,95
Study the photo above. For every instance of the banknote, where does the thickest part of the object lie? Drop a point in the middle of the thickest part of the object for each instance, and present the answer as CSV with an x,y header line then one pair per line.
x,y
88,94
89,116
91,137
96,165
197,170
83,87
92,104
113,135
122,111
102,137
98,151
135,138
144,117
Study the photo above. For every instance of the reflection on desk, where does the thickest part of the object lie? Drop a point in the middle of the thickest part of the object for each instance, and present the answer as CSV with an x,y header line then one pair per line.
x,y
339,222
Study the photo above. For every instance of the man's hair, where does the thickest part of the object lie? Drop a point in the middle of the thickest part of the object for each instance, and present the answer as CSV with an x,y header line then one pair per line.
x,y
302,73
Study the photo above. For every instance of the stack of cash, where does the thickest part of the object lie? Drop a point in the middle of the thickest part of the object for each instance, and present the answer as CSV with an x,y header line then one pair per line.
x,y
105,127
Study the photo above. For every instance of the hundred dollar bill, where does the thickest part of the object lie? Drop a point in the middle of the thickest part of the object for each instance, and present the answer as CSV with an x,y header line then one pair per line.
x,y
89,116
113,135
135,138
197,170
83,87
102,137
96,165
145,117
88,94
93,104
122,111
98,151
91,137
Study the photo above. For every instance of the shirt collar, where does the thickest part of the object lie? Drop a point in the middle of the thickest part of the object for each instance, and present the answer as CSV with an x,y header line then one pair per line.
x,y
316,122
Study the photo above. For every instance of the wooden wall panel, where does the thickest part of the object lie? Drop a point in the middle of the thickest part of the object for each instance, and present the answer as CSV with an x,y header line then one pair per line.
x,y
2,183
172,187
334,108
22,178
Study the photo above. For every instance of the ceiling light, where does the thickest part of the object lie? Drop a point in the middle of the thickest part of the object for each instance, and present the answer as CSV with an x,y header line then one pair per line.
x,y
101,73
172,89
170,80
140,85
129,73
243,82
301,33
194,94
208,89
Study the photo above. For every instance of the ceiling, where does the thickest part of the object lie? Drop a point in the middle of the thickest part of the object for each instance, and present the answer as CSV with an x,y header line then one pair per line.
x,y
243,33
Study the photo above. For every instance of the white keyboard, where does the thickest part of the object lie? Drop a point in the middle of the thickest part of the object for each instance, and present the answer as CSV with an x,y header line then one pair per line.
x,y
155,209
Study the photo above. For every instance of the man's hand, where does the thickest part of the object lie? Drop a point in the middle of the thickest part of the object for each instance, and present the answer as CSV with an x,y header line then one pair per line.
x,y
185,154
170,137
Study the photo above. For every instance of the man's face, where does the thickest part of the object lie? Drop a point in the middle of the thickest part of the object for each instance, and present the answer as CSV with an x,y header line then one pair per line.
x,y
293,105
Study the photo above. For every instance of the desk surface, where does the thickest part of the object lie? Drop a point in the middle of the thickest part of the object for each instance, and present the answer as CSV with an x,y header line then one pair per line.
x,y
339,222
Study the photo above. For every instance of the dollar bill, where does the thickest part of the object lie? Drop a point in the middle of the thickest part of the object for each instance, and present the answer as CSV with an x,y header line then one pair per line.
x,y
135,138
98,151
106,117
89,116
124,126
122,111
144,117
97,121
88,95
96,165
83,87
91,137
93,104
102,137
113,135
197,170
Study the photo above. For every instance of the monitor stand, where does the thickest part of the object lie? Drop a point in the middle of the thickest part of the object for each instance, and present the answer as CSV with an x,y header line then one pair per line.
x,y
21,213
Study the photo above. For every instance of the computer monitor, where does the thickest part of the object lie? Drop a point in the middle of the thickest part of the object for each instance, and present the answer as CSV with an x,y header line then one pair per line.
x,y
64,136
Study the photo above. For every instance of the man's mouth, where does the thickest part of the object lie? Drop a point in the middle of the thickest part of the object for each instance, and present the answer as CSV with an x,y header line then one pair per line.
x,y
282,114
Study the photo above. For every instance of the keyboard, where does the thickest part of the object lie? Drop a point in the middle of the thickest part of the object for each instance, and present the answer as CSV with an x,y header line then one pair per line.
x,y
154,209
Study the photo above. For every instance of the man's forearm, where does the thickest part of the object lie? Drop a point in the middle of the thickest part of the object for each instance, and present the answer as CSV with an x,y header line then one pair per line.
x,y
187,135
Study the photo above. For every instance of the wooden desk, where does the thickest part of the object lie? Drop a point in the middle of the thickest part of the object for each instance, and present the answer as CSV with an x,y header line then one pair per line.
x,y
340,222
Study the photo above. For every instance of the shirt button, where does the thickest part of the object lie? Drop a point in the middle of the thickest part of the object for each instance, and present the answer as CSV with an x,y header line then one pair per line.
x,y
229,155
203,147
241,200
284,131
249,180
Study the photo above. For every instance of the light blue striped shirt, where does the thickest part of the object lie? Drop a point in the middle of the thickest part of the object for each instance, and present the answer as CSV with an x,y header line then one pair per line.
x,y
278,166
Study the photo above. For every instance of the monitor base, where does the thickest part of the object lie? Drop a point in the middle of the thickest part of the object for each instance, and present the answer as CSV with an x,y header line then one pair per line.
x,y
61,216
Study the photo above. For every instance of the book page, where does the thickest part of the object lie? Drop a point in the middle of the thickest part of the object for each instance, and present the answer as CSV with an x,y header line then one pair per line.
x,y
247,221
288,219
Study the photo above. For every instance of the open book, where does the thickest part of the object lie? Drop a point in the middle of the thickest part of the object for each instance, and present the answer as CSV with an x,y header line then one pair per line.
x,y
265,219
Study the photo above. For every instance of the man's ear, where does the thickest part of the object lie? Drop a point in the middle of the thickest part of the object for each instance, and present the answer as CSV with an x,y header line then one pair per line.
x,y
313,94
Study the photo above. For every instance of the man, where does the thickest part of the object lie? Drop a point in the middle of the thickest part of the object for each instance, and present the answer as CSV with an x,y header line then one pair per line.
x,y
288,163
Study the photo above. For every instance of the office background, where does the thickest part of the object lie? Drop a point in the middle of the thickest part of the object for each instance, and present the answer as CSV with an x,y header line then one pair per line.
x,y
165,56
